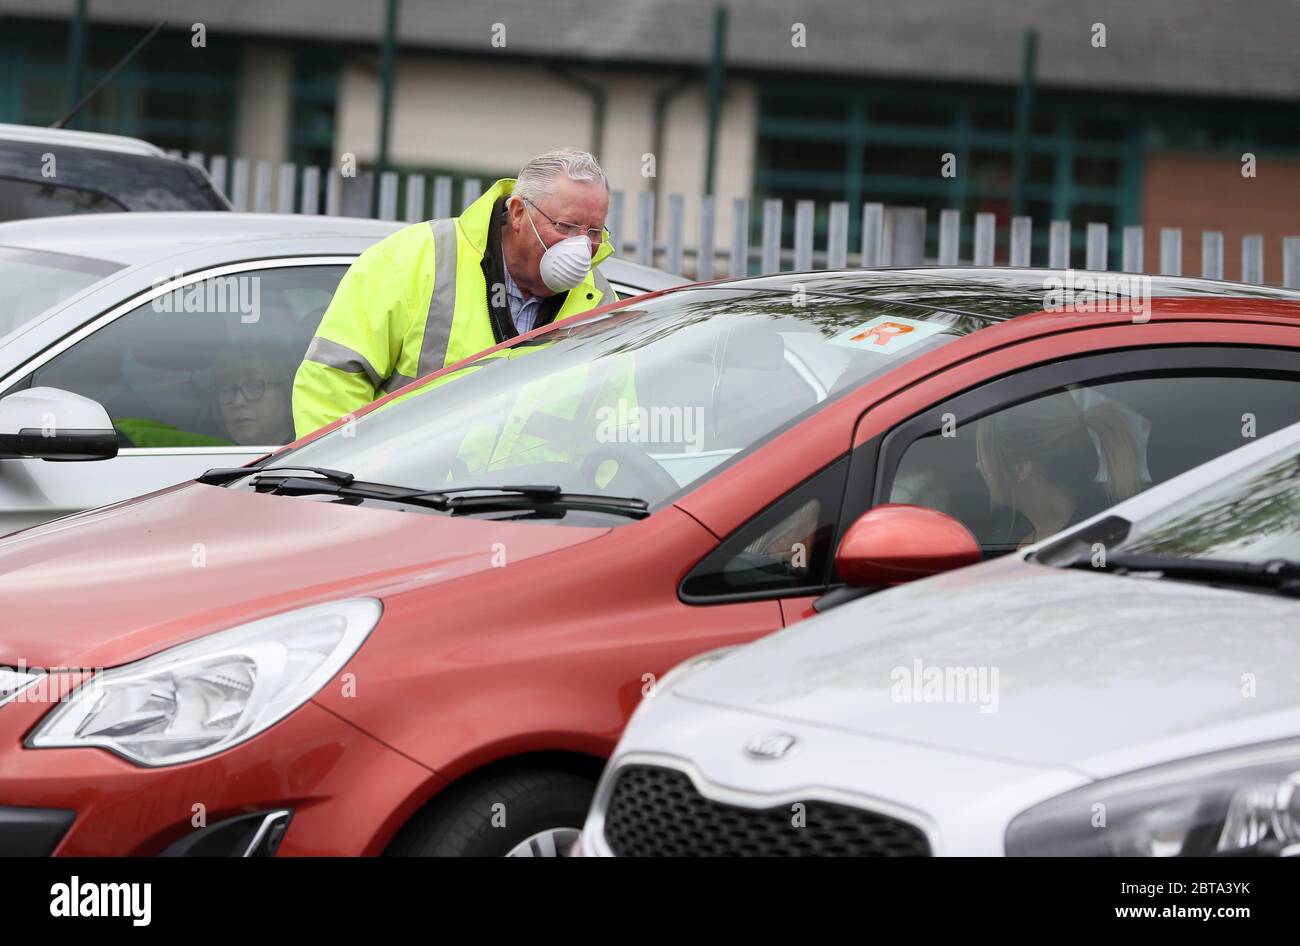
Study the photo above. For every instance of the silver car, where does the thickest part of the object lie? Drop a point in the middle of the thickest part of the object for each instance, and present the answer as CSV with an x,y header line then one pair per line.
x,y
1128,687
185,328
50,172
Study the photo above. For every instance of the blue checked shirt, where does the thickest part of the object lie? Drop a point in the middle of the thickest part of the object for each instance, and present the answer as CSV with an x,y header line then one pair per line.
x,y
523,311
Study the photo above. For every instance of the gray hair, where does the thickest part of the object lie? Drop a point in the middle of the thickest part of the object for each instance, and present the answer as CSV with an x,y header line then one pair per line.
x,y
537,176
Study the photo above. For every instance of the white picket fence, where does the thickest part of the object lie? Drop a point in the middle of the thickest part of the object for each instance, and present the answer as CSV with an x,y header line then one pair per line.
x,y
890,236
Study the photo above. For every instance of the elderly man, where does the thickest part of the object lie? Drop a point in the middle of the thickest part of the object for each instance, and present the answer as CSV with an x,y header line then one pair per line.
x,y
520,257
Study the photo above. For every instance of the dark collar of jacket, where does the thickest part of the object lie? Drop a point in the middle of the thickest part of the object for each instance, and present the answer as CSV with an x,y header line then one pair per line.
x,y
494,276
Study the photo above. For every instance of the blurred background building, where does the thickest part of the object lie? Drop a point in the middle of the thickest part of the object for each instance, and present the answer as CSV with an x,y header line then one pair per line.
x,y
855,100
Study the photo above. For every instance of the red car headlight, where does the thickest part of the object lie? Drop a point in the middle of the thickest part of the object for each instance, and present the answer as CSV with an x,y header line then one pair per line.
x,y
207,695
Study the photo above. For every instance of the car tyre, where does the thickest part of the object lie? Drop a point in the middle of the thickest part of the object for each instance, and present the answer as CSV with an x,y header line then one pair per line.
x,y
542,811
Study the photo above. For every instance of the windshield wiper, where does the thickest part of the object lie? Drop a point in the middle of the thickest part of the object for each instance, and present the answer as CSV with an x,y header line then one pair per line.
x,y
313,486
458,500
225,474
484,498
1279,574
1076,546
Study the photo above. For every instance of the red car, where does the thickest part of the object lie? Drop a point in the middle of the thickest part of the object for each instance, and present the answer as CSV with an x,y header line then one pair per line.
x,y
421,630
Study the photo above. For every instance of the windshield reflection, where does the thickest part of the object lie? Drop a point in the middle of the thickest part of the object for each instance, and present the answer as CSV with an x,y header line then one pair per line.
x,y
640,402
1254,519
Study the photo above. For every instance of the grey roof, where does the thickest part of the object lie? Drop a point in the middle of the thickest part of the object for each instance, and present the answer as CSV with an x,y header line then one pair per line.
x,y
1211,47
133,238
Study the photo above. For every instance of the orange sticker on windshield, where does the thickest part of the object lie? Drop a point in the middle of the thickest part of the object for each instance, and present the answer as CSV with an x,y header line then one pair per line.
x,y
886,334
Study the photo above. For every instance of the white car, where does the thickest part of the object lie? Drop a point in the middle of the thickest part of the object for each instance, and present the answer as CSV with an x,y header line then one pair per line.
x,y
1128,687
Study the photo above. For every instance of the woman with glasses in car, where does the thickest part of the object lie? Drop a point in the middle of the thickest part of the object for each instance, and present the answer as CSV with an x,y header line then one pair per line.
x,y
250,406
253,399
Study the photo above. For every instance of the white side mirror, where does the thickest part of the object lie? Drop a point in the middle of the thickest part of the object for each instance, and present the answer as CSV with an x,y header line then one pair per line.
x,y
50,424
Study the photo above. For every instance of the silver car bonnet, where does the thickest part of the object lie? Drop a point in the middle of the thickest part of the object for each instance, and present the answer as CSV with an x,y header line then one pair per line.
x,y
1033,665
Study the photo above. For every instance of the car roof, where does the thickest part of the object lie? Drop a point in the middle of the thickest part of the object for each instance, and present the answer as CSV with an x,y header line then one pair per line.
x,y
79,139
140,238
638,275
133,239
994,293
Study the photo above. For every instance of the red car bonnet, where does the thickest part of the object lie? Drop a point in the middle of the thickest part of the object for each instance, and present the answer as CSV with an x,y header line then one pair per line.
x,y
192,559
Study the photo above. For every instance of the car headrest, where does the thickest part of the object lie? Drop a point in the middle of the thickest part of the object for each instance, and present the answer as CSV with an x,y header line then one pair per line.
x,y
191,342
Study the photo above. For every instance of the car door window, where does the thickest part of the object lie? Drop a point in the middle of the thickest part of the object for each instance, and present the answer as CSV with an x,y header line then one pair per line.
x,y
1019,469
784,550
208,364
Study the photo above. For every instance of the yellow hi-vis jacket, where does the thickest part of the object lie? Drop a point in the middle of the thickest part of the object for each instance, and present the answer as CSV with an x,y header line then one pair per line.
x,y
414,302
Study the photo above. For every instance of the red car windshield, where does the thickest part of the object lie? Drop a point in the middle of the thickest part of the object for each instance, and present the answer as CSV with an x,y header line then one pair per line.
x,y
640,402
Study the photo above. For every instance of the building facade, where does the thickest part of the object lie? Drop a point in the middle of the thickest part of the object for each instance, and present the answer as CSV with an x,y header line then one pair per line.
x,y
1177,113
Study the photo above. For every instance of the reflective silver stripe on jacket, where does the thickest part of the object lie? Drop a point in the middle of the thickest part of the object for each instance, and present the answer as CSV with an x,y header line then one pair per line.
x,y
442,302
398,380
607,293
333,355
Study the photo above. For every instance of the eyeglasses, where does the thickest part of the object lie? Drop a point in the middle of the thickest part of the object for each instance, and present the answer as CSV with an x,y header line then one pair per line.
x,y
595,234
252,391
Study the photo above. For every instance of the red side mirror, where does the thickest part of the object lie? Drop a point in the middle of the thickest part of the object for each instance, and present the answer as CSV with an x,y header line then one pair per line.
x,y
894,543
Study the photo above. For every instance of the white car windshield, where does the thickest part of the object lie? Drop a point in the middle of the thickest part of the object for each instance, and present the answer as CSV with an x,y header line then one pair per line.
x,y
640,402
1253,517
32,281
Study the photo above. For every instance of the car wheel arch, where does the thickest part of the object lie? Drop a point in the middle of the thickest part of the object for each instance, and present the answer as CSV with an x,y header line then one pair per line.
x,y
567,761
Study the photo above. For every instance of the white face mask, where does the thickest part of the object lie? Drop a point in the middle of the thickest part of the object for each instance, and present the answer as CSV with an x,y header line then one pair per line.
x,y
564,264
